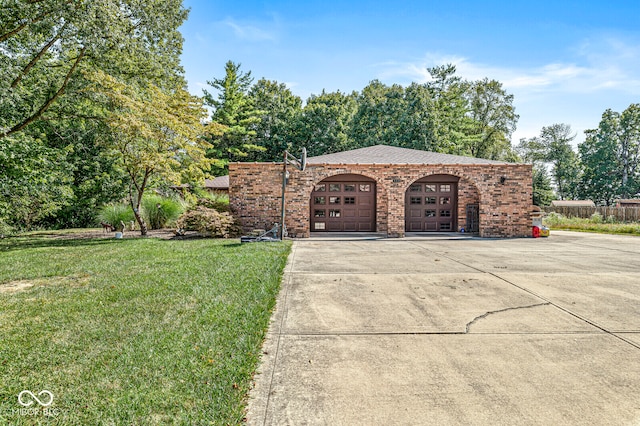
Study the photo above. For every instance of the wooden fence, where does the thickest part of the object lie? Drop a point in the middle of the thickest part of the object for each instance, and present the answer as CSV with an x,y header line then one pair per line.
x,y
622,214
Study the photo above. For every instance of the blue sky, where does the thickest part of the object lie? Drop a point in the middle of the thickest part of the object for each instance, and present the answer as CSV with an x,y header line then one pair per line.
x,y
564,61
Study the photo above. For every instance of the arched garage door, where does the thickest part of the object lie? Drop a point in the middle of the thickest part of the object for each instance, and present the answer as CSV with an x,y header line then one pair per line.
x,y
431,204
344,203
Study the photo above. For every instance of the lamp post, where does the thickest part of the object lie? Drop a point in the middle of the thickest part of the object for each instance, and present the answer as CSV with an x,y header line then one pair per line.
x,y
301,164
284,187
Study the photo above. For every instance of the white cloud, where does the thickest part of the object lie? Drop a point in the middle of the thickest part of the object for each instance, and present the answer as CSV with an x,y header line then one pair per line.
x,y
597,75
610,64
252,32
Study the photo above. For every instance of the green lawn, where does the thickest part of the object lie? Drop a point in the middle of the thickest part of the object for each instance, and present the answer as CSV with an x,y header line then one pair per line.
x,y
134,331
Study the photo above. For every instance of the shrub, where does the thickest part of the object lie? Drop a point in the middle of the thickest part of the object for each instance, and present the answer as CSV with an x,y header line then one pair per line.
x,y
611,219
219,202
5,229
160,211
596,218
553,219
115,213
209,222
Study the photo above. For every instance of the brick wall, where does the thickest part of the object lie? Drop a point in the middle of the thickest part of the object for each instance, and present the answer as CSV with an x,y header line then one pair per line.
x,y
255,191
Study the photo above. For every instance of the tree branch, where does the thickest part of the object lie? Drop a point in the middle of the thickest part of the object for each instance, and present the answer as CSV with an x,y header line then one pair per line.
x,y
38,18
30,65
48,103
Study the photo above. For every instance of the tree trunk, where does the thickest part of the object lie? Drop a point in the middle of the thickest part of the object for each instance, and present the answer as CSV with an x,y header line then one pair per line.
x,y
140,220
135,205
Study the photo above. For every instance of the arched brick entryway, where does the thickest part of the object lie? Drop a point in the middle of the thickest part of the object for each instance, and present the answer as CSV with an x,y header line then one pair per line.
x,y
431,204
344,203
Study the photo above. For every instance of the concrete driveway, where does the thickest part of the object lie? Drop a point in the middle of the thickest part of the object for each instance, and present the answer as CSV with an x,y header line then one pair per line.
x,y
435,331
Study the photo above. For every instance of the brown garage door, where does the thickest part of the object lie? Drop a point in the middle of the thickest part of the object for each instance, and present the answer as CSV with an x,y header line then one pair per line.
x,y
344,203
431,205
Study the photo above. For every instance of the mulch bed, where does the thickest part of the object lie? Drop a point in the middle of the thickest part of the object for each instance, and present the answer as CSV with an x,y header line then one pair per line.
x,y
164,234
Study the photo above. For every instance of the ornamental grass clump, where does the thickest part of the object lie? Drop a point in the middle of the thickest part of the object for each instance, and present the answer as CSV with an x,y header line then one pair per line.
x,y
115,214
160,212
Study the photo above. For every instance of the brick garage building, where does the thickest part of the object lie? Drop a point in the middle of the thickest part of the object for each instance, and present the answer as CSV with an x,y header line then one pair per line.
x,y
388,190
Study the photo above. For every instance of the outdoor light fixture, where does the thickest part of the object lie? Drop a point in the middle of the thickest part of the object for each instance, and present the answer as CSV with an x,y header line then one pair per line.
x,y
503,179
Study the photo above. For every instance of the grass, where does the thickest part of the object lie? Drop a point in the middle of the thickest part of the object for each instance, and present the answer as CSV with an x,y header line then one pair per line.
x,y
134,331
593,224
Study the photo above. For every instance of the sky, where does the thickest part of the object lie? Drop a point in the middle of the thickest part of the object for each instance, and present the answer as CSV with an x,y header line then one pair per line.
x,y
564,61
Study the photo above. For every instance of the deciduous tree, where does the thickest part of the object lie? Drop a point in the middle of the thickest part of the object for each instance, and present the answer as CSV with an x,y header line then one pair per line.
x,y
323,125
46,49
611,155
44,44
378,119
156,134
278,108
493,119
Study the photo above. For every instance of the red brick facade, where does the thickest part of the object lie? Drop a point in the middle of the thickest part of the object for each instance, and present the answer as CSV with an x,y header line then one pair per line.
x,y
503,192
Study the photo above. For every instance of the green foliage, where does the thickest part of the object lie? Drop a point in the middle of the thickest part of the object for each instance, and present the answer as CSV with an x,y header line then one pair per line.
x,y
542,192
601,176
557,139
219,202
278,107
553,148
323,125
160,212
446,115
34,182
154,134
209,222
235,117
135,331
44,45
47,50
5,229
493,120
115,213
610,156
593,224
611,219
94,178
596,218
553,219
379,117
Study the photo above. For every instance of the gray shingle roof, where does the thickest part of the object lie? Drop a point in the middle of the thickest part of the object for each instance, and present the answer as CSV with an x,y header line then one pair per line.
x,y
221,182
384,154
